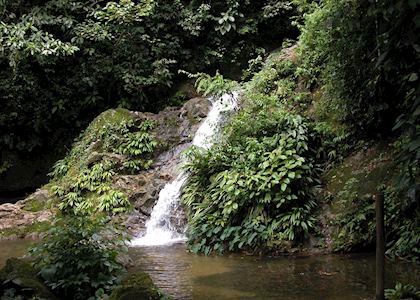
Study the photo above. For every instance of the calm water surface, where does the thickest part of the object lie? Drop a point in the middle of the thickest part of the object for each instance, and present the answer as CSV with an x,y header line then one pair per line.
x,y
235,277
17,248
187,276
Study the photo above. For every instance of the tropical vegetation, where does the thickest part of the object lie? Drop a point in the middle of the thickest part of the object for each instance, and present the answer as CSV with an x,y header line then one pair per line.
x,y
319,82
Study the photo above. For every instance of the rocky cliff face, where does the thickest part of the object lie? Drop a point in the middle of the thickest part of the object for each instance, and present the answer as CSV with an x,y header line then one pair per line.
x,y
174,130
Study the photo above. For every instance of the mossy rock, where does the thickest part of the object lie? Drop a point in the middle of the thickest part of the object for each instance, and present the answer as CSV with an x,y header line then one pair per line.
x,y
34,205
38,201
114,116
31,231
22,278
372,167
137,286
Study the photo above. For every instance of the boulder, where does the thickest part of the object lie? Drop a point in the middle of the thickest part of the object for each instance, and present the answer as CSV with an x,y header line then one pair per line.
x,y
14,216
137,286
196,108
191,115
36,201
25,218
18,278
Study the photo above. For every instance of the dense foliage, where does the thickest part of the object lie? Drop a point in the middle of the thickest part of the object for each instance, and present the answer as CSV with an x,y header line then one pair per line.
x,y
354,77
78,259
113,144
214,86
64,61
356,222
255,189
401,291
365,57
80,256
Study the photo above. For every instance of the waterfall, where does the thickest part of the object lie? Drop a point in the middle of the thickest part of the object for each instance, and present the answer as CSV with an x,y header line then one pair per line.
x,y
160,230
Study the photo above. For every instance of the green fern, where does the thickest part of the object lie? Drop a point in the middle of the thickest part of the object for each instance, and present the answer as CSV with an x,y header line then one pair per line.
x,y
212,85
86,189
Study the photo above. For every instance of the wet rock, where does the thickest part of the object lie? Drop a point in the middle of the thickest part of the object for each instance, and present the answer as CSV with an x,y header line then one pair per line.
x,y
192,114
135,221
18,278
142,190
136,286
21,219
196,108
13,215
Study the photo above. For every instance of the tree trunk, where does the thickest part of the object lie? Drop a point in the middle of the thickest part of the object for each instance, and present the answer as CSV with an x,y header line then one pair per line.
x,y
380,246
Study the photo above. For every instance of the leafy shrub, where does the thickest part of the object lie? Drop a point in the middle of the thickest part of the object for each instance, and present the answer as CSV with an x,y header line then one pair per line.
x,y
402,292
356,223
212,85
252,191
402,222
336,142
86,187
78,259
407,150
363,56
357,226
255,188
254,65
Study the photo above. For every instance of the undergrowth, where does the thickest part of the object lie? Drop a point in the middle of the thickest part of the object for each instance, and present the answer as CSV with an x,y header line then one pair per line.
x,y
79,257
255,189
356,222
83,180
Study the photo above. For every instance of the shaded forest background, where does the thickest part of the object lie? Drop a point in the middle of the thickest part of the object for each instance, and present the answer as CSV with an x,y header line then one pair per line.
x,y
63,62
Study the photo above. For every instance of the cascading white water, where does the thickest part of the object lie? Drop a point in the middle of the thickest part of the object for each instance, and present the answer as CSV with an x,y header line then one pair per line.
x,y
159,230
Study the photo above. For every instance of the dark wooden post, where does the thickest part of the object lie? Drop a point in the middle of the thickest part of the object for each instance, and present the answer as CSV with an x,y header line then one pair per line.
x,y
380,246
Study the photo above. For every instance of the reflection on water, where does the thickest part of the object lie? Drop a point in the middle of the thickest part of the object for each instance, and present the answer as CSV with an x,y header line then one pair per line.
x,y
188,276
17,248
234,277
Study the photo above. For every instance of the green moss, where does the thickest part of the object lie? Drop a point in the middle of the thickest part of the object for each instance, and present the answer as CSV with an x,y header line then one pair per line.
x,y
371,167
20,276
137,286
114,116
23,231
34,205
114,143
